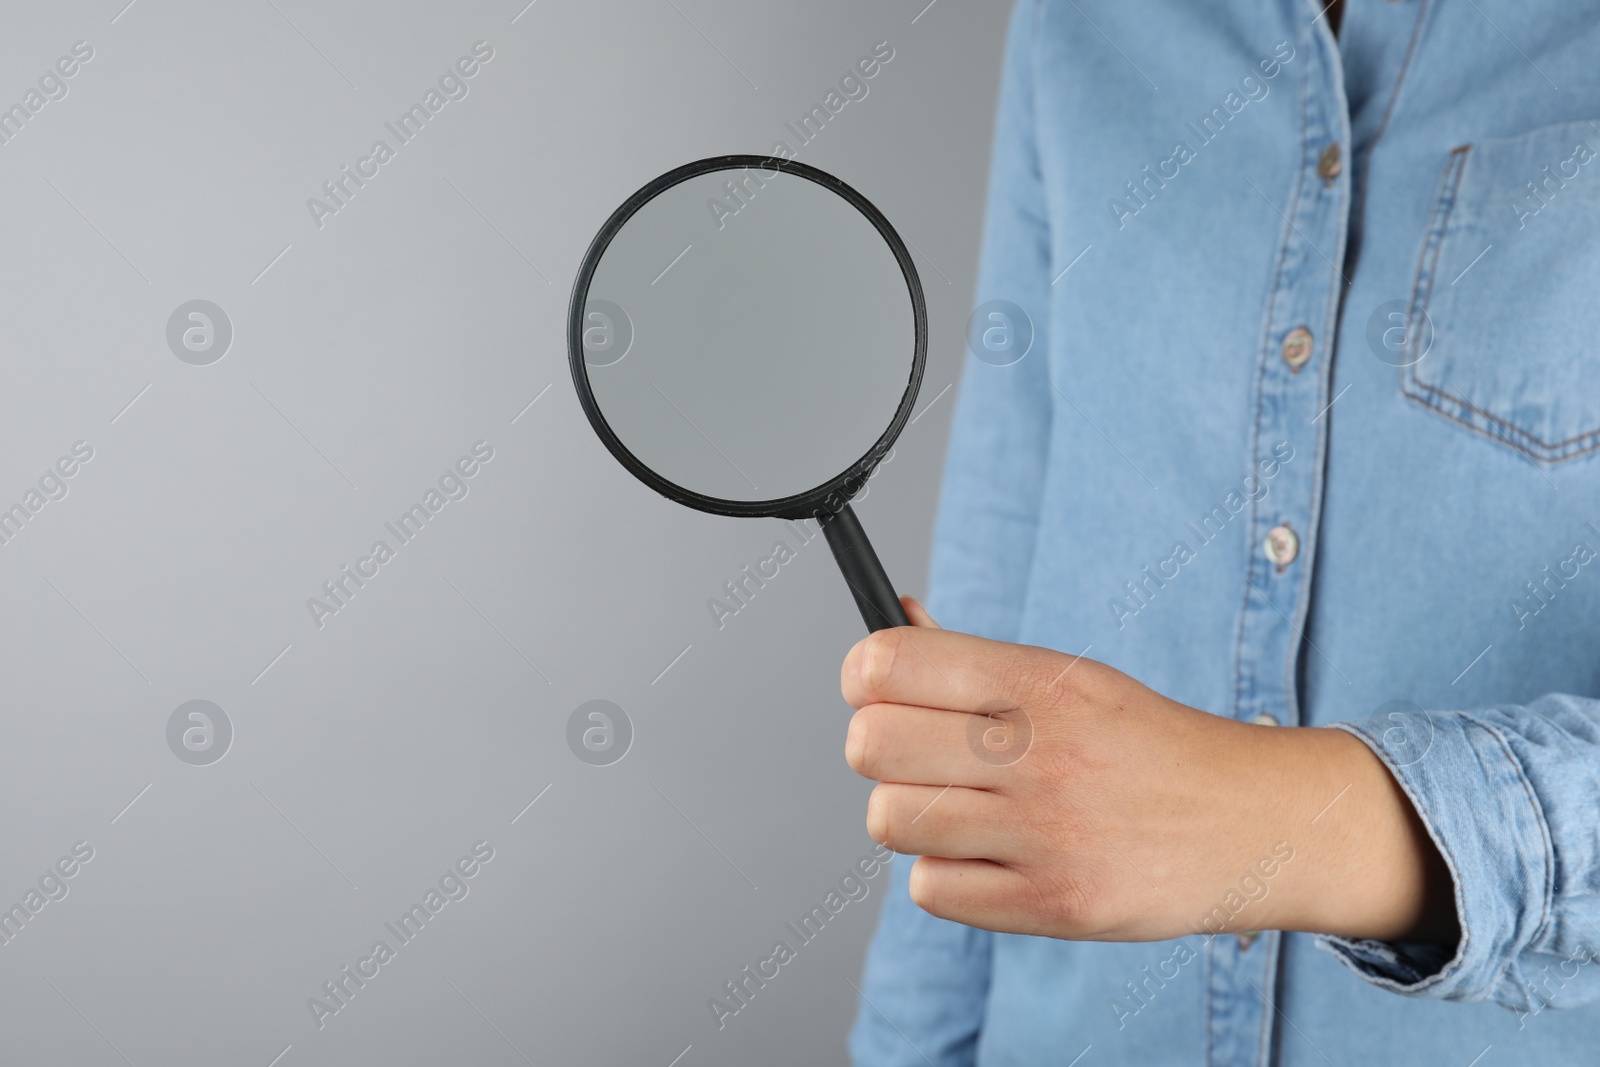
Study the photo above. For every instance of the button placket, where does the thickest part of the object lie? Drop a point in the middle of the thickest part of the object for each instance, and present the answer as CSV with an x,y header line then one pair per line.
x,y
1286,450
1292,390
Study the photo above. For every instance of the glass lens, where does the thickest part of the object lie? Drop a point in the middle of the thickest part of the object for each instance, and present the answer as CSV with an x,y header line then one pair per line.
x,y
748,334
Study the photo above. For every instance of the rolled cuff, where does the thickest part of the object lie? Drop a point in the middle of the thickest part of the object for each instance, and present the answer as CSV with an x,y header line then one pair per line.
x,y
1480,809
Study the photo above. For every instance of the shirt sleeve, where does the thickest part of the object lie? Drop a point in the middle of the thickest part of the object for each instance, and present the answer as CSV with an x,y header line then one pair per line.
x,y
994,473
1509,795
926,983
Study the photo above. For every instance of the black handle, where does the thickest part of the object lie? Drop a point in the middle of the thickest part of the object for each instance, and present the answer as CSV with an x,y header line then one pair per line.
x,y
874,593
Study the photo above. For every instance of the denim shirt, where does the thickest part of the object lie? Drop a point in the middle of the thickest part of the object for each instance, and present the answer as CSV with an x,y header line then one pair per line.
x,y
1285,400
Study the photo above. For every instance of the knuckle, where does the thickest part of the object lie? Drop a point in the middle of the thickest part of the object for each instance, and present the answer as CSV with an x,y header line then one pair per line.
x,y
1023,676
1068,677
922,887
863,744
1068,903
879,806
878,653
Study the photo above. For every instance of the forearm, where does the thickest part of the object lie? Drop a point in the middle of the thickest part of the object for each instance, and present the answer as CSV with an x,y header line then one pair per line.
x,y
1364,864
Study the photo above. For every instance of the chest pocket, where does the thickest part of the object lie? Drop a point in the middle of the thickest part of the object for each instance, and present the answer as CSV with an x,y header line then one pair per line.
x,y
1506,307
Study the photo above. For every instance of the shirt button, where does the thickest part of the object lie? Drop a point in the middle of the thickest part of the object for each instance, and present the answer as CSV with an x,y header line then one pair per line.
x,y
1282,546
1329,165
1297,347
1266,718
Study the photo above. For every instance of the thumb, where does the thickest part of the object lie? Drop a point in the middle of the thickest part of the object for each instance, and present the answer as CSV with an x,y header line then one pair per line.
x,y
918,614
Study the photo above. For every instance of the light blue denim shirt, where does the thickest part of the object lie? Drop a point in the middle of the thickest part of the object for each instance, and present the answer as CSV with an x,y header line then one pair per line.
x,y
1306,427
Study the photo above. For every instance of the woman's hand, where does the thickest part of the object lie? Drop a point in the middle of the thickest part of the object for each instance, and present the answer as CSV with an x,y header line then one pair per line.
x,y
1049,794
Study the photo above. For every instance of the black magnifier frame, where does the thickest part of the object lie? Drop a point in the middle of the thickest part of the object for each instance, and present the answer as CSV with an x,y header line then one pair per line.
x,y
828,503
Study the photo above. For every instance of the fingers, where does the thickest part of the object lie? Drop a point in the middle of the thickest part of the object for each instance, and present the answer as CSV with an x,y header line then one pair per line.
x,y
919,746
935,668
1014,899
918,614
975,892
949,821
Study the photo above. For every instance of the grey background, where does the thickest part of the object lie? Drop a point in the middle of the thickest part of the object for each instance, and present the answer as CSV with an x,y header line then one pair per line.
x,y
368,356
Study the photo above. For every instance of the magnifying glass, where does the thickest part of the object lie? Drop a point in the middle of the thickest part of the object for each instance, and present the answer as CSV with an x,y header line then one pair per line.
x,y
747,336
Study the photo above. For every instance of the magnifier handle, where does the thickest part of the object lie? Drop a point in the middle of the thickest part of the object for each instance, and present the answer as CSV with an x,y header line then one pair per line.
x,y
874,593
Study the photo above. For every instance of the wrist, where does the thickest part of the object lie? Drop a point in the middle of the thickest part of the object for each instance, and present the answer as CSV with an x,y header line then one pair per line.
x,y
1365,866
